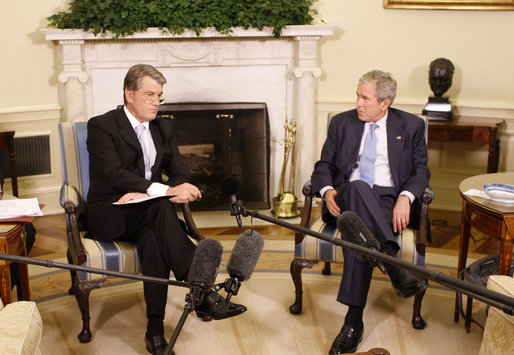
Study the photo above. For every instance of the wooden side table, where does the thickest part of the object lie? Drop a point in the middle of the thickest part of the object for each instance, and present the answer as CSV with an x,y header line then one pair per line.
x,y
12,241
495,220
483,133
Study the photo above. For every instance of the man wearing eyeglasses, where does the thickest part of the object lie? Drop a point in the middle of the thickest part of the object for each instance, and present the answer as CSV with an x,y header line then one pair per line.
x,y
129,150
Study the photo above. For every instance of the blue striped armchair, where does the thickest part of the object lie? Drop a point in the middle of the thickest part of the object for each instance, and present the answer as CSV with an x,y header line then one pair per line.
x,y
310,250
113,256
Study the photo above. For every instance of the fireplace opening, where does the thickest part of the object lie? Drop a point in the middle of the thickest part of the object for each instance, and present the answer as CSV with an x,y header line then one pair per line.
x,y
221,139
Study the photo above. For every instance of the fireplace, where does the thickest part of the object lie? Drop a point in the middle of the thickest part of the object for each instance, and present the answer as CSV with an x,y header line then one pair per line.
x,y
221,139
248,66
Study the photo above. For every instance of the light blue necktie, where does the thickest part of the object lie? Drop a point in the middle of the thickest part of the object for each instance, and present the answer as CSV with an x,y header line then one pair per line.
x,y
368,157
146,157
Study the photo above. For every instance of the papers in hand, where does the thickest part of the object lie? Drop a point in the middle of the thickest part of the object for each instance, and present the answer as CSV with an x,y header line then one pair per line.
x,y
20,207
141,200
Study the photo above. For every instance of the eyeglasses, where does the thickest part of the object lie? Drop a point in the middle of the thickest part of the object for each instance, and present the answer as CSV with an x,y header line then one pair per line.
x,y
151,97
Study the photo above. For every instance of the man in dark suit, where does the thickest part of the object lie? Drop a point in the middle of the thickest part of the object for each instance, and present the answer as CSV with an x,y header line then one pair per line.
x,y
378,183
129,151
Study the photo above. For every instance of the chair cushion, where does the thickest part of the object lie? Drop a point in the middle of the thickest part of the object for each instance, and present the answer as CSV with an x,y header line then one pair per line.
x,y
315,249
312,248
115,256
21,328
74,155
499,327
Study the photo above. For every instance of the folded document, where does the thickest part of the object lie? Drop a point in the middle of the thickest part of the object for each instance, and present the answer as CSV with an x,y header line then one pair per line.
x,y
20,207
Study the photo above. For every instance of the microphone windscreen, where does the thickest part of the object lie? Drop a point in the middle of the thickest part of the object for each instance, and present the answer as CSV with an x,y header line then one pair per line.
x,y
245,254
354,230
230,185
206,260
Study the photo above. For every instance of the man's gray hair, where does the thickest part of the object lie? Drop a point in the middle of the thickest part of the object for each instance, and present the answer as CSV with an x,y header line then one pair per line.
x,y
136,73
386,85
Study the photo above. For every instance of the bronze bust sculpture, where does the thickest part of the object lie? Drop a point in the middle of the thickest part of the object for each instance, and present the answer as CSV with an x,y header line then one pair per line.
x,y
440,75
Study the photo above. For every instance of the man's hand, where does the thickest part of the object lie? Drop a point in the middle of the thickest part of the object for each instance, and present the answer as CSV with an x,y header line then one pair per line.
x,y
132,196
401,214
330,196
184,193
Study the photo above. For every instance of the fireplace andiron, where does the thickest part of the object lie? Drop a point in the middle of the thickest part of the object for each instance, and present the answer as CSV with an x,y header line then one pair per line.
x,y
285,203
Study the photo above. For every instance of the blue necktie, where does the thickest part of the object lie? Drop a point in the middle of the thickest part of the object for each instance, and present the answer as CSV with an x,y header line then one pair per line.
x,y
368,157
140,131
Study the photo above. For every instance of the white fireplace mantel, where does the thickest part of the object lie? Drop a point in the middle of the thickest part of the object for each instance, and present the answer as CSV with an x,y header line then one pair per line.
x,y
247,66
156,33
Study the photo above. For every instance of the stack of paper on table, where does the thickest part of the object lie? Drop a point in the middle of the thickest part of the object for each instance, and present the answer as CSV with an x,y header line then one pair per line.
x,y
17,209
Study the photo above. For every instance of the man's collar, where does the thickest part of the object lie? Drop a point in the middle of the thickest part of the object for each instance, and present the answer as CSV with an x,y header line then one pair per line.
x,y
381,122
133,121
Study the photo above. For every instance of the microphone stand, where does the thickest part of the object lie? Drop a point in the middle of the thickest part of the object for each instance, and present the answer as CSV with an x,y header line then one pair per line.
x,y
495,299
188,308
50,264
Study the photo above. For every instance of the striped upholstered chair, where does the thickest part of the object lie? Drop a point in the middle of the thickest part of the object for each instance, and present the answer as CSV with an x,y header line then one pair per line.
x,y
115,256
310,250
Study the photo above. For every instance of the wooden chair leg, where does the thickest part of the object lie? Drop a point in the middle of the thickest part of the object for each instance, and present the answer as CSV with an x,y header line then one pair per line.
x,y
297,265
326,269
82,291
74,276
417,321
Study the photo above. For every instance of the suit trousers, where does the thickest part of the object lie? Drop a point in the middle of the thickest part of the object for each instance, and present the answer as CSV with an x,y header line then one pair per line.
x,y
163,246
375,207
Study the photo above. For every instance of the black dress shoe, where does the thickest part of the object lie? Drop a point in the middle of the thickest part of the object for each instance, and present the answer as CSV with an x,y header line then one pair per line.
x,y
405,283
347,340
156,344
217,307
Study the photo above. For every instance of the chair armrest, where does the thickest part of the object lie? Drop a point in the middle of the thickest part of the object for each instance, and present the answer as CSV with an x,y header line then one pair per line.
x,y
422,238
70,201
69,194
192,230
306,212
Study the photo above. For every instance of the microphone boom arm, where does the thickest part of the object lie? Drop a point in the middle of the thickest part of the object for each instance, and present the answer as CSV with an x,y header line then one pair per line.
x,y
53,264
495,299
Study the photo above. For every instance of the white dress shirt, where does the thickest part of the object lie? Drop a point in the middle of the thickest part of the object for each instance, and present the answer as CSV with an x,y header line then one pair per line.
x,y
382,170
156,188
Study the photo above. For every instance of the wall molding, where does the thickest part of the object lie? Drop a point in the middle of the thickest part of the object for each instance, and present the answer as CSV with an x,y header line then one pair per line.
x,y
484,110
37,120
29,113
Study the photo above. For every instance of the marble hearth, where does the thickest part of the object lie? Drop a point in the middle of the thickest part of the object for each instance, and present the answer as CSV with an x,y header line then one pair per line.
x,y
248,66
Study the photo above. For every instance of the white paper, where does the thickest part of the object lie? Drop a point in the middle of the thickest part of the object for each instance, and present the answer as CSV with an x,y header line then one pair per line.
x,y
20,207
141,200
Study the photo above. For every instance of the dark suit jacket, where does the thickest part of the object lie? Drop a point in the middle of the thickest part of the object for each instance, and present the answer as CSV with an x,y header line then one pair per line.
x,y
116,167
407,152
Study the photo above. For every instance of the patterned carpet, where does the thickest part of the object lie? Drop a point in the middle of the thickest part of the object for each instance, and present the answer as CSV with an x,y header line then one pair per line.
x,y
118,315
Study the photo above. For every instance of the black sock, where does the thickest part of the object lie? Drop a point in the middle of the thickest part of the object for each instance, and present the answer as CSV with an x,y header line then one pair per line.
x,y
354,317
155,327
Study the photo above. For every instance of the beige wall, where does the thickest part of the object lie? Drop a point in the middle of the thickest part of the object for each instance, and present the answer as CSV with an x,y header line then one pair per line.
x,y
479,43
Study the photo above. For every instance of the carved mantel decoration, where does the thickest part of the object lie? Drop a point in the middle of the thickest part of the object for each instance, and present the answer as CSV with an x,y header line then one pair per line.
x,y
247,66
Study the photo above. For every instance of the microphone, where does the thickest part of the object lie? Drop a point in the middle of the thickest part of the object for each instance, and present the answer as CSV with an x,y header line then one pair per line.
x,y
230,187
202,275
242,261
355,231
204,269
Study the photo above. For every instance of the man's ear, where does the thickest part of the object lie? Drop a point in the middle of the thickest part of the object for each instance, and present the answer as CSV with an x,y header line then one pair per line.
x,y
386,103
129,95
